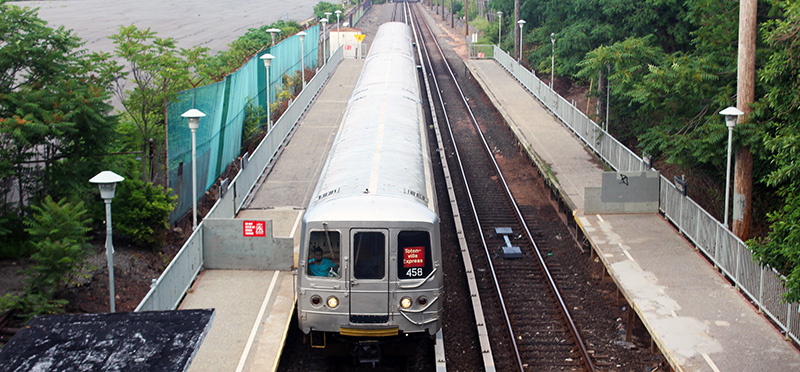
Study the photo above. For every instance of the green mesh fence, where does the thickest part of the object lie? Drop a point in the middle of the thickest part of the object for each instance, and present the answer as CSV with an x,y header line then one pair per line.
x,y
219,138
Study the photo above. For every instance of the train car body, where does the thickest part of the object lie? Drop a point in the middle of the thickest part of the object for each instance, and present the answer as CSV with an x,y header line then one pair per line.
x,y
370,259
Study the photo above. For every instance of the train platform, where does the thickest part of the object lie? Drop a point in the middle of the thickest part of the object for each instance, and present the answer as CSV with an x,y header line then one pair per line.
x,y
697,320
254,308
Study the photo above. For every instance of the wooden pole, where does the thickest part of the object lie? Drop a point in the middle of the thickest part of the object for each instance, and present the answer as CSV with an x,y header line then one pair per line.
x,y
745,93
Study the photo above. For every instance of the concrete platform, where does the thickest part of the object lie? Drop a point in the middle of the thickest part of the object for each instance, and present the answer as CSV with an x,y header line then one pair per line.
x,y
698,321
254,308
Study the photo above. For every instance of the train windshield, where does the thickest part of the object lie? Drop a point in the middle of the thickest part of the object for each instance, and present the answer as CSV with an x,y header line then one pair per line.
x,y
369,255
414,255
324,254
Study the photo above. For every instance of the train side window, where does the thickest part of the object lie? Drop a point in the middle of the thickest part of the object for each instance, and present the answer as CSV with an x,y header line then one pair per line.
x,y
369,255
324,254
414,259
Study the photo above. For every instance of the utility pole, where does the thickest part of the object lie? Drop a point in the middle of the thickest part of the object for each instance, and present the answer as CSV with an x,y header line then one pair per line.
x,y
745,95
516,29
452,15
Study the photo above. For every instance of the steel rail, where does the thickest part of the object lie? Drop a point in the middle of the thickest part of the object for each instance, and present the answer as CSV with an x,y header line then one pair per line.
x,y
471,201
553,287
480,321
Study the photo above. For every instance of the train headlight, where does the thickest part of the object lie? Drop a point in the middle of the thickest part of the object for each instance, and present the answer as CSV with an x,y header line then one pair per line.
x,y
333,302
406,302
316,300
422,300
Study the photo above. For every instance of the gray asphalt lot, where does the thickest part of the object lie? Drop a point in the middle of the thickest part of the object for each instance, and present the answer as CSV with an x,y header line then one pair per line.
x,y
213,24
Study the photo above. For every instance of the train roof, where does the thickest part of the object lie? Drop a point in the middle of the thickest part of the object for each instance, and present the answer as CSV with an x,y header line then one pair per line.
x,y
380,147
369,208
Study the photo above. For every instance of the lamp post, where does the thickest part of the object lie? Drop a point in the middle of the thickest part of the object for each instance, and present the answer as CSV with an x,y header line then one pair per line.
x,y
107,182
324,22
521,23
338,35
731,115
272,32
193,117
552,58
302,35
267,58
499,28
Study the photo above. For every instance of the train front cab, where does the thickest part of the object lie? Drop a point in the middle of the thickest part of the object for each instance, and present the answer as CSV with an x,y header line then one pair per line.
x,y
385,288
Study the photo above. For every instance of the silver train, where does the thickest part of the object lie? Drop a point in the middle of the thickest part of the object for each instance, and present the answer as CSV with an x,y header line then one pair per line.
x,y
370,270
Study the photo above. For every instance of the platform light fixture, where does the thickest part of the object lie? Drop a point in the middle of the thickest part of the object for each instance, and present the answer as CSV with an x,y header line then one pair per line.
x,y
731,116
521,23
338,35
324,22
107,182
267,58
193,117
552,59
499,28
302,35
272,32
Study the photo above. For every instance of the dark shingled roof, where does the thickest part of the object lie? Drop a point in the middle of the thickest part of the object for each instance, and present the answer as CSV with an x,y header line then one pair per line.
x,y
147,341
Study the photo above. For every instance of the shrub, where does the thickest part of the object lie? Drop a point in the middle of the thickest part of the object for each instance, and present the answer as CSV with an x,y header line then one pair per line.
x,y
58,236
141,211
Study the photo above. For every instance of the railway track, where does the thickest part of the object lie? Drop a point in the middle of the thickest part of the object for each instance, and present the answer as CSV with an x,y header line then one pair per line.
x,y
529,323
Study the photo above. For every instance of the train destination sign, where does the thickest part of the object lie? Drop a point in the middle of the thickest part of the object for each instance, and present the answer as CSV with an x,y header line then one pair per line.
x,y
413,257
254,228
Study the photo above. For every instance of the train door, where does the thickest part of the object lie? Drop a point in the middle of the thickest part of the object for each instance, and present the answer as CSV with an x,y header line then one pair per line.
x,y
369,284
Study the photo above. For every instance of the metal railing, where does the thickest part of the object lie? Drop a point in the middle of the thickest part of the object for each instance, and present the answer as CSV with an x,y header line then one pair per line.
x,y
168,290
728,253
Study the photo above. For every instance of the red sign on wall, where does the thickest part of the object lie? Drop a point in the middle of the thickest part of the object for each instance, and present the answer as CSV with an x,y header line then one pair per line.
x,y
254,228
413,257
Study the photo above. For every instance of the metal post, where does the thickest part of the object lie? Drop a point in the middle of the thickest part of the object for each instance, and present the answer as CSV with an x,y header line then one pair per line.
x,y
552,59
194,179
302,36
728,176
110,256
521,23
338,34
267,58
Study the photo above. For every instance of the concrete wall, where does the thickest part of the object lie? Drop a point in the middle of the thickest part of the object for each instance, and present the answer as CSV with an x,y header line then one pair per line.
x,y
225,247
624,192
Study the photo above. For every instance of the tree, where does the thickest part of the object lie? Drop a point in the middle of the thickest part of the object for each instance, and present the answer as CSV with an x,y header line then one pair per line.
x,y
157,70
58,231
323,6
54,120
779,112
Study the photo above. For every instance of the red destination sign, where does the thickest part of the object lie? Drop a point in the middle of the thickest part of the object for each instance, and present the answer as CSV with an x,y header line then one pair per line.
x,y
413,257
254,228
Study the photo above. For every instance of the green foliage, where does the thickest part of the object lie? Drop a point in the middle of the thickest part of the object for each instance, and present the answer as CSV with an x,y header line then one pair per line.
x,y
246,46
255,120
779,112
323,6
58,234
157,70
141,211
53,110
31,305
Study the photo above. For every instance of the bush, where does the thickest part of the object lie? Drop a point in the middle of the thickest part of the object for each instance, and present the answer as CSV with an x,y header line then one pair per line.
x,y
58,236
31,305
141,210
